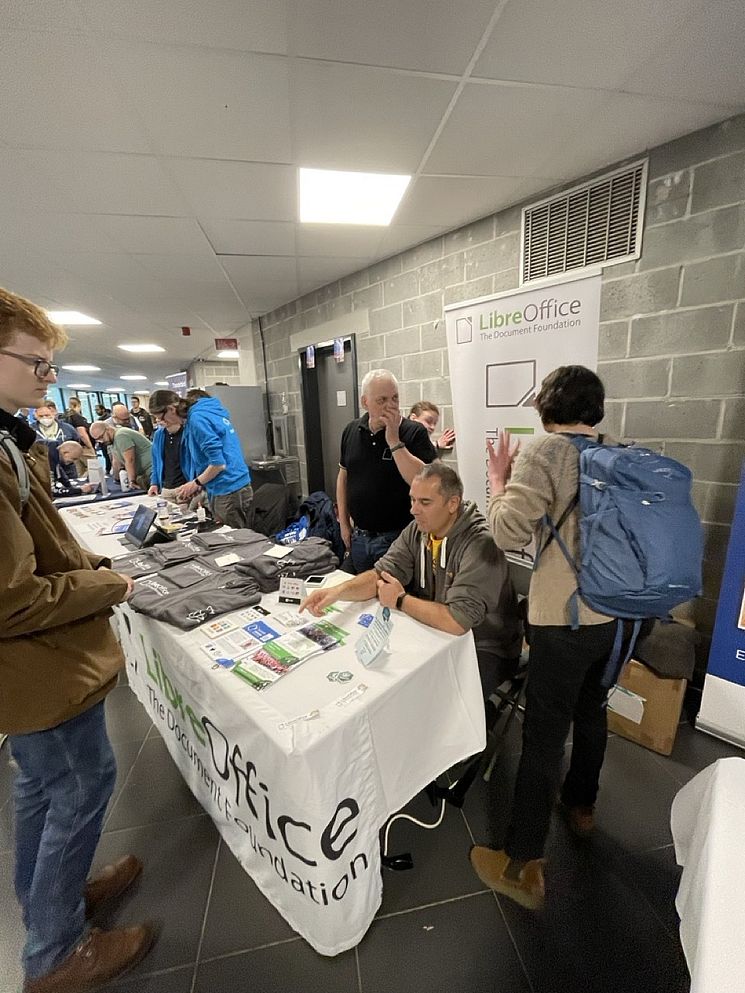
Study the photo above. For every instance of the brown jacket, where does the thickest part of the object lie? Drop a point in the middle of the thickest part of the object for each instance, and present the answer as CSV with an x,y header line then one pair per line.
x,y
544,480
58,653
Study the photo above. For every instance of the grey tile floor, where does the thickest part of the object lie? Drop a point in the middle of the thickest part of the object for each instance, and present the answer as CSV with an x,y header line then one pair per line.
x,y
609,922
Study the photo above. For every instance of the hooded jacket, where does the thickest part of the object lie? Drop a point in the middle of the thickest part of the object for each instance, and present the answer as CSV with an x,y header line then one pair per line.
x,y
210,439
470,577
58,653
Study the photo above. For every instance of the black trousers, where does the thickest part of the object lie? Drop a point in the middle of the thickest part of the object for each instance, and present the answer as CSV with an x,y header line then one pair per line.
x,y
564,686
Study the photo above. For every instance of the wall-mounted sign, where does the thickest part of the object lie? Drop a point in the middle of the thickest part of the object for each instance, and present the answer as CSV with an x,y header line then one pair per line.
x,y
178,383
310,357
226,344
338,349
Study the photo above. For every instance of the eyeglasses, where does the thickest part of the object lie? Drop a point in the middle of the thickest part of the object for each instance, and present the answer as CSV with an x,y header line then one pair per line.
x,y
42,368
157,414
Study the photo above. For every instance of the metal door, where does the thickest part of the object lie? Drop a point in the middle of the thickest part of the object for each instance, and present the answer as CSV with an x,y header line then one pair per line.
x,y
330,402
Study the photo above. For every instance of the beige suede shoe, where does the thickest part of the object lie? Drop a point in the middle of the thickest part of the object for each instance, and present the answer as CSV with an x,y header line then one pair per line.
x,y
521,882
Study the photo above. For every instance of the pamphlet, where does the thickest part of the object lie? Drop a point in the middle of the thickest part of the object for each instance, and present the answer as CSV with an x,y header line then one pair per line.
x,y
376,637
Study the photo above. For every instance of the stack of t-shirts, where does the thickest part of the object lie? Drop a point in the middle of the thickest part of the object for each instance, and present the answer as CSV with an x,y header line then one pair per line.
x,y
136,564
218,549
182,596
310,557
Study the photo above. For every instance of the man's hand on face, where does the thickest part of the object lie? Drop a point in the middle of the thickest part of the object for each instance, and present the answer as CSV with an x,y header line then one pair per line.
x,y
392,421
317,602
389,589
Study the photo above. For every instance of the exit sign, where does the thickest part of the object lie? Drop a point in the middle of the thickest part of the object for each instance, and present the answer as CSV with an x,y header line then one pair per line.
x,y
226,344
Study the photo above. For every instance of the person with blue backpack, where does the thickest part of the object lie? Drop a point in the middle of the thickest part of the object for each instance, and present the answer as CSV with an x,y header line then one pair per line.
x,y
617,541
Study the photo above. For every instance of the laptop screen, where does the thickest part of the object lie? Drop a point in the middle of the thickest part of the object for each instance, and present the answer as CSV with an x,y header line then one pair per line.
x,y
140,525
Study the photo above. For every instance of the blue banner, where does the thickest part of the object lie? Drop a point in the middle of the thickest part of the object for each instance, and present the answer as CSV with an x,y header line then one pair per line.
x,y
727,656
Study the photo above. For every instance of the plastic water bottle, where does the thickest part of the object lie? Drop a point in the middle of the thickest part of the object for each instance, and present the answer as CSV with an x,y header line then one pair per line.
x,y
124,480
201,515
162,509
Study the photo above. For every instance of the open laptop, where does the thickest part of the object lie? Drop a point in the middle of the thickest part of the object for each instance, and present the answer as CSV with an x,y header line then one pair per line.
x,y
139,527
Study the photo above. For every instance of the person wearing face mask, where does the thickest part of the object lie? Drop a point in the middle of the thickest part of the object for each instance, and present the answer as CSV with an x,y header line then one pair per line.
x,y
49,429
428,414
381,452
59,659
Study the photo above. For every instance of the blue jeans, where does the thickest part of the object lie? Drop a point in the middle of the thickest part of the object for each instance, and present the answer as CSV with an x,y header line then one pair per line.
x,y
366,549
66,777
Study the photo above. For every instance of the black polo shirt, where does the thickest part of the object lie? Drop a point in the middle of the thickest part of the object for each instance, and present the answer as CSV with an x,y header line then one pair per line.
x,y
173,475
377,493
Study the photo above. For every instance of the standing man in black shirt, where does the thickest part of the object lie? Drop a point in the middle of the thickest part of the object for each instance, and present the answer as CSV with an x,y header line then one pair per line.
x,y
381,452
74,416
141,415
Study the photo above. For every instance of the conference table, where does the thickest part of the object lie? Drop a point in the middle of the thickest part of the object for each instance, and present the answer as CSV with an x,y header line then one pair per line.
x,y
300,776
708,827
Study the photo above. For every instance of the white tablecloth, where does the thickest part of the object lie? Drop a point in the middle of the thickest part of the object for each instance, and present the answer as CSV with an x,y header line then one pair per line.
x,y
708,825
300,777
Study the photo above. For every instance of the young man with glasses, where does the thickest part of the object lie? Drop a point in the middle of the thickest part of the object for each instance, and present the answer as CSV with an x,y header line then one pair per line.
x,y
59,659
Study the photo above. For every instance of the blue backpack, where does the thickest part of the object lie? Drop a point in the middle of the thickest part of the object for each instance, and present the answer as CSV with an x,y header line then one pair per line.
x,y
641,543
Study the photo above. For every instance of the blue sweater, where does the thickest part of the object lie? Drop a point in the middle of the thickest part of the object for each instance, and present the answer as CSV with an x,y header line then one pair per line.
x,y
210,439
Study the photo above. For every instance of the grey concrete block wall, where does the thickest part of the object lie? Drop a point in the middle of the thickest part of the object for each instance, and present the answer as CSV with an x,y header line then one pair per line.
x,y
672,332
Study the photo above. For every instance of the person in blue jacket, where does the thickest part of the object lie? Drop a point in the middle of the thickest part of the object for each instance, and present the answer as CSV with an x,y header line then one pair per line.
x,y
210,455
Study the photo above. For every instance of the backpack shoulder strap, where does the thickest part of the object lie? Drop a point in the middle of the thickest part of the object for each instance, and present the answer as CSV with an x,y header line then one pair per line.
x,y
11,449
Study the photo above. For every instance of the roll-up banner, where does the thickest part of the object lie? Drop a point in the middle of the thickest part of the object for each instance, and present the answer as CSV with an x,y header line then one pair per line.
x,y
723,703
500,348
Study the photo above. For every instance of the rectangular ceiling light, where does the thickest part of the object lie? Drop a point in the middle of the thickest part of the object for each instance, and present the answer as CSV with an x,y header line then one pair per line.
x,y
70,318
133,377
330,197
228,353
141,348
81,368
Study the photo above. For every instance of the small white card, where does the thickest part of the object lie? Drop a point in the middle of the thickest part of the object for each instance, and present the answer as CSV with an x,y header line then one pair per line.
x,y
375,638
278,551
228,559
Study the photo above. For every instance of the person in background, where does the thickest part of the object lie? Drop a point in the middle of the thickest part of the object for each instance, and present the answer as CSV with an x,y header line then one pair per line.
x,y
22,414
428,414
59,658
102,413
130,450
64,470
121,418
74,457
167,476
142,417
49,429
74,416
381,452
211,456
445,571
566,665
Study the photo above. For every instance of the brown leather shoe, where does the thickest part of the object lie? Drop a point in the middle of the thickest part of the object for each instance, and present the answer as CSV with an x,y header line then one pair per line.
x,y
521,882
580,820
100,957
111,882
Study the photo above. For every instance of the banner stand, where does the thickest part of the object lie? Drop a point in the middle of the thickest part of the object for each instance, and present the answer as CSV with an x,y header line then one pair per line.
x,y
722,712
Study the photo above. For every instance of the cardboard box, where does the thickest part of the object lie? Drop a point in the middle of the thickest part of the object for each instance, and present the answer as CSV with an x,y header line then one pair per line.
x,y
645,708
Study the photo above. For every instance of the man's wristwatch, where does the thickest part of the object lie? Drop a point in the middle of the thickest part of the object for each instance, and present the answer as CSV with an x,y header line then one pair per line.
x,y
400,599
199,484
397,447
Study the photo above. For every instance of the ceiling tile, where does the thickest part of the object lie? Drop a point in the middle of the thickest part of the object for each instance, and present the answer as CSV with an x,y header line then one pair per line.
x,y
504,130
68,99
30,183
704,61
258,277
364,120
245,190
246,25
340,240
626,125
448,202
108,183
40,15
157,235
577,42
57,233
207,103
434,35
250,237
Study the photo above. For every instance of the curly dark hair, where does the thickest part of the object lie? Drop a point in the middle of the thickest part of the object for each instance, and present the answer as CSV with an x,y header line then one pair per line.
x,y
571,394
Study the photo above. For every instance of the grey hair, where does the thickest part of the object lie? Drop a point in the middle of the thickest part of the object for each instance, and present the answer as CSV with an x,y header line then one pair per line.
x,y
376,374
67,446
449,480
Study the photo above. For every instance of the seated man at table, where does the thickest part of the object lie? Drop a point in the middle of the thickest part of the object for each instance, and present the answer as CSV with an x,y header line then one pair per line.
x,y
445,571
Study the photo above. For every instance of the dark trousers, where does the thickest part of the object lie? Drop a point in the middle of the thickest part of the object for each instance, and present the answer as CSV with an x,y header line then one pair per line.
x,y
565,674
367,548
